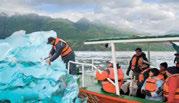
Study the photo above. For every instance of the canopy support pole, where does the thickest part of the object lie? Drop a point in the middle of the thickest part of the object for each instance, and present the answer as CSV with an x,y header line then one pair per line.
x,y
115,67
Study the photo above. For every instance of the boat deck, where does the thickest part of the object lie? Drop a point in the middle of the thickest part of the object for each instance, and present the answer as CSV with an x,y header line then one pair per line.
x,y
92,85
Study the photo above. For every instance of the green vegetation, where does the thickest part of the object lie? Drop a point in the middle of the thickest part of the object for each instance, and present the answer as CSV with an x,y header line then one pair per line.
x,y
73,32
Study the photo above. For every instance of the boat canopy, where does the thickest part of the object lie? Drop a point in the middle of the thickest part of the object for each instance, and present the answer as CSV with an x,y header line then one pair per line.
x,y
143,39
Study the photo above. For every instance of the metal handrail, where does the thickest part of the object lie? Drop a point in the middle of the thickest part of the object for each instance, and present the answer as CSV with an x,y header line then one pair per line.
x,y
83,71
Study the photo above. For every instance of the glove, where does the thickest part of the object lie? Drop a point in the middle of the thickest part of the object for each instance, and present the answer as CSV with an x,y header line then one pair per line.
x,y
148,93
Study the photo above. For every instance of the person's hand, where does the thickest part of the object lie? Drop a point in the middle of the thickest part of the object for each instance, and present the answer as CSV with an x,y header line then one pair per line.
x,y
48,61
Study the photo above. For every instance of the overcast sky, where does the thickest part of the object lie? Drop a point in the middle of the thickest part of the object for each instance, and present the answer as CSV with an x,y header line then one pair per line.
x,y
148,16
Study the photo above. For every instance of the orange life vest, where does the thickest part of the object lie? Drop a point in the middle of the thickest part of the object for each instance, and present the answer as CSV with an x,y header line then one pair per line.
x,y
141,75
119,71
161,77
166,88
109,73
151,84
101,76
138,62
66,50
109,87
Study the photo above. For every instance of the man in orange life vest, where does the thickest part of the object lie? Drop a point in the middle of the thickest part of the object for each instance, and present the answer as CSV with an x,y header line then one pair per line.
x,y
60,47
138,63
171,86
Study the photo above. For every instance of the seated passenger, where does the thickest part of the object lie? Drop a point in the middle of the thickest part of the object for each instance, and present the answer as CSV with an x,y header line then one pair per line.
x,y
162,75
108,86
102,75
171,85
152,86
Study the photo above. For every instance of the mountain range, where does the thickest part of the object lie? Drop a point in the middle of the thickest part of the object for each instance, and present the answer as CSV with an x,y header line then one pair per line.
x,y
73,32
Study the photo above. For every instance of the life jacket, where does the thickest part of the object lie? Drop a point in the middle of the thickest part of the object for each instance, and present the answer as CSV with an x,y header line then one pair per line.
x,y
166,88
161,77
109,87
66,50
109,73
151,84
119,71
101,76
141,75
138,62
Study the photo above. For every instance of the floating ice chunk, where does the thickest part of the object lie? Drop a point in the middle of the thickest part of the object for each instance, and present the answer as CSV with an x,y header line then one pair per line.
x,y
24,72
4,50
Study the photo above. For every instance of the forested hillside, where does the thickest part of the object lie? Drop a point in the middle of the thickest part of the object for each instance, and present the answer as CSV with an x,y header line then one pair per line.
x,y
73,32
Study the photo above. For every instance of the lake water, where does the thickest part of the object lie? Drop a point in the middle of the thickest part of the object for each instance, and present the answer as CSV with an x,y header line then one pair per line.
x,y
123,57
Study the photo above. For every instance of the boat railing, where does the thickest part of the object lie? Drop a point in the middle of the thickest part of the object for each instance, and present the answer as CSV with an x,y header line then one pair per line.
x,y
83,70
93,61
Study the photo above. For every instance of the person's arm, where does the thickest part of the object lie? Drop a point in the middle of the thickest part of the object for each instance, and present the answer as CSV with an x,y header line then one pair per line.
x,y
129,68
172,84
176,47
52,51
59,48
145,57
146,60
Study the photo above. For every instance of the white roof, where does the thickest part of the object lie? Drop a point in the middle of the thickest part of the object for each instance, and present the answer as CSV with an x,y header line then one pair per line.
x,y
153,39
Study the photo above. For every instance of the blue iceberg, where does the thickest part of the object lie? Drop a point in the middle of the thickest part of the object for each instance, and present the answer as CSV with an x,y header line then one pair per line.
x,y
24,75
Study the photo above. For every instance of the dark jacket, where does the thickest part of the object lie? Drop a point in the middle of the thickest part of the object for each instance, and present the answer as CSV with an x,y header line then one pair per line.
x,y
57,52
137,69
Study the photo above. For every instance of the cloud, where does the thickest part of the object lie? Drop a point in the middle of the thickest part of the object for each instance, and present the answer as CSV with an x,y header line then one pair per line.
x,y
155,17
140,16
70,9
169,1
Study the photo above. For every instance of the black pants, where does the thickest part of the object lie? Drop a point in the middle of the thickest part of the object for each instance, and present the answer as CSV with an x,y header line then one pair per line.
x,y
71,57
